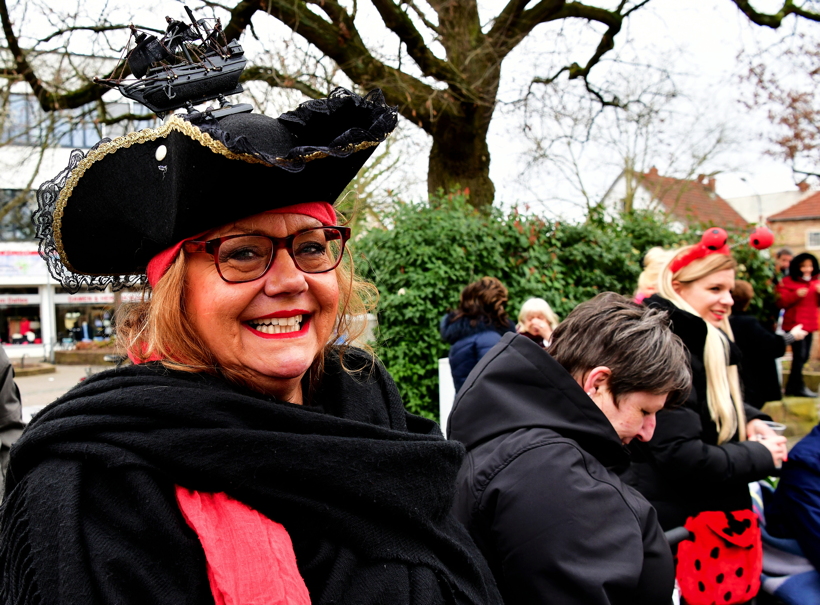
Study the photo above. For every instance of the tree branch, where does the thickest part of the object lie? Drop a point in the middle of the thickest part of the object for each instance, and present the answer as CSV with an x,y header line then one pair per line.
x,y
340,41
97,29
49,101
774,20
400,24
276,79
429,24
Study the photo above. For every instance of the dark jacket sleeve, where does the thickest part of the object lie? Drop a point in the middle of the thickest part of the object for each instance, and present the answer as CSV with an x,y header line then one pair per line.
x,y
753,336
678,448
797,504
11,409
562,534
101,536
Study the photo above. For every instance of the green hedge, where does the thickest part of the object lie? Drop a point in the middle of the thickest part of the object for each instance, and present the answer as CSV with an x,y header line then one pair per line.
x,y
432,250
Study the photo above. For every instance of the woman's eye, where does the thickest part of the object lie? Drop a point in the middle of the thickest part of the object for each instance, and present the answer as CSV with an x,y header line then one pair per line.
x,y
310,249
242,254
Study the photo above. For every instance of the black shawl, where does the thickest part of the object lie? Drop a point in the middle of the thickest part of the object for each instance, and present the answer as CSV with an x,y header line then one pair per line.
x,y
363,488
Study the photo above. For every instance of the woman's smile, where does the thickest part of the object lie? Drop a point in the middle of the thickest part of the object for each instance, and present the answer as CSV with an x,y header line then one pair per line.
x,y
282,324
273,327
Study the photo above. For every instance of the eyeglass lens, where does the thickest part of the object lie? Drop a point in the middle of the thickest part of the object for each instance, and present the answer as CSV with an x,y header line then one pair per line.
x,y
247,257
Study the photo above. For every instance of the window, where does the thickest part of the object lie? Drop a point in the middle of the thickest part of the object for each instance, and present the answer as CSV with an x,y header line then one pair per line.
x,y
16,225
25,123
813,240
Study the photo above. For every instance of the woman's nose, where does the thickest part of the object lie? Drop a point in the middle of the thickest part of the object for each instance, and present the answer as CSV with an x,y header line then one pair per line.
x,y
647,429
284,277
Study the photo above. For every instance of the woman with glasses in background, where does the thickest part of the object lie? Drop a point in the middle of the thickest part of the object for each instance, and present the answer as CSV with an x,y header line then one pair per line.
x,y
245,457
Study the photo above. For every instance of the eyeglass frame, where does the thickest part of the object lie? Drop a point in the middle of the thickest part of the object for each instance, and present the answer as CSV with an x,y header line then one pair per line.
x,y
211,247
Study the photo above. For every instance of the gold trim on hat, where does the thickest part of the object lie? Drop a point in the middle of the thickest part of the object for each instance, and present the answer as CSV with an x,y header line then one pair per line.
x,y
175,123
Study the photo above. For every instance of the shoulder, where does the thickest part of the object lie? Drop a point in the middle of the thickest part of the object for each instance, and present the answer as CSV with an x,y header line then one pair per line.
x,y
524,461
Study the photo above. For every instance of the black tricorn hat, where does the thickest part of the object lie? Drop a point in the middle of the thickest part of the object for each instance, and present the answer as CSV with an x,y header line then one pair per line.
x,y
103,218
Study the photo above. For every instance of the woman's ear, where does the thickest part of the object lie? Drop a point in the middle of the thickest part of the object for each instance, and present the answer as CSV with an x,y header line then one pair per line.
x,y
677,286
596,380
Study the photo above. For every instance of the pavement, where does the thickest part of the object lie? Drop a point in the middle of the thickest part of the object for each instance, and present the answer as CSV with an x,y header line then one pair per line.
x,y
38,391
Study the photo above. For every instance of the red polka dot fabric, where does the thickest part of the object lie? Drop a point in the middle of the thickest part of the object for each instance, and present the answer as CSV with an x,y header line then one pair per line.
x,y
722,564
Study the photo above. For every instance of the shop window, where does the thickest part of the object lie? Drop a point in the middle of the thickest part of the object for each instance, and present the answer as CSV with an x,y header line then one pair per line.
x,y
20,316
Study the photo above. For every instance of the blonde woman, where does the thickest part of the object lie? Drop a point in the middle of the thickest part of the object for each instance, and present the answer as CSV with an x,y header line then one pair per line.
x,y
653,263
537,321
704,453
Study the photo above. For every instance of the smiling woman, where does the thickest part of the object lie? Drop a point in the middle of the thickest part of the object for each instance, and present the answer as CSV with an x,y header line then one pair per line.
x,y
704,453
245,457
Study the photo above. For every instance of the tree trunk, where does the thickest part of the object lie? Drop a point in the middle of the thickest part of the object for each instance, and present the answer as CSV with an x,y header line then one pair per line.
x,y
460,159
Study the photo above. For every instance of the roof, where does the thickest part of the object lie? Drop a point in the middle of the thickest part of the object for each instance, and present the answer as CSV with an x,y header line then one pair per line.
x,y
808,208
691,201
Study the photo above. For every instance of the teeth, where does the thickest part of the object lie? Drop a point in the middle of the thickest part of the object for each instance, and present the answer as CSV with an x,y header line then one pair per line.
x,y
277,325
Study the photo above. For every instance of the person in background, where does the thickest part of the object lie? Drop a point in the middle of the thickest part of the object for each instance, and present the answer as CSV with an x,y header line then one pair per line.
x,y
545,436
798,294
11,414
759,347
794,510
652,263
696,468
782,260
536,321
475,326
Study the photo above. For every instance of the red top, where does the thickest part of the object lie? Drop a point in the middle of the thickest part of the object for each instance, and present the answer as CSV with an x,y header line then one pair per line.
x,y
799,309
250,558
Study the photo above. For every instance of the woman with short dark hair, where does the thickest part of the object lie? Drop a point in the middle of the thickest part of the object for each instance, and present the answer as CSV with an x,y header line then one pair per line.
x,y
545,436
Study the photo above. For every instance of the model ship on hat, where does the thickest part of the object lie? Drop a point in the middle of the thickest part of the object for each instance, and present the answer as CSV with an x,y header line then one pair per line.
x,y
190,64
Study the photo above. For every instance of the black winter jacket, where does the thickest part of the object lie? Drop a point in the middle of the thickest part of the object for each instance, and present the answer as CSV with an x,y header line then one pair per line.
x,y
760,347
537,494
682,470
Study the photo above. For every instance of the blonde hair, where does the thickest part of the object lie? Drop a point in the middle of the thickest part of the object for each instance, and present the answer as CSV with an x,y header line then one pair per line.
x,y
653,263
723,395
533,306
158,328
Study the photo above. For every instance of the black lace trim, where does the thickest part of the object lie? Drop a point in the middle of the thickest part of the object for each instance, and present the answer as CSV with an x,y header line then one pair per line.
x,y
43,219
384,122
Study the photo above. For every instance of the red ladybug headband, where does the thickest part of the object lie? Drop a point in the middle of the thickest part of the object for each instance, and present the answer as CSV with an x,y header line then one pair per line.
x,y
716,241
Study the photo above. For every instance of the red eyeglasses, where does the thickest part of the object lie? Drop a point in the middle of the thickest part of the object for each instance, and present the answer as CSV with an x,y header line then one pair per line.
x,y
243,258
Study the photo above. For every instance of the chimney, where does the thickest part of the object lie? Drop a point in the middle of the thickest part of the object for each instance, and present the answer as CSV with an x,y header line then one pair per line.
x,y
653,171
803,186
710,184
700,178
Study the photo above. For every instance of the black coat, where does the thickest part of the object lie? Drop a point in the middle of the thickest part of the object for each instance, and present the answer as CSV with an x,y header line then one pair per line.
x,y
363,488
537,494
682,470
759,348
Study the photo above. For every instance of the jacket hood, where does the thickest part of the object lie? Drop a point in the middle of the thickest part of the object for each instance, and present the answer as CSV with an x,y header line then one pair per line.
x,y
794,267
452,332
517,385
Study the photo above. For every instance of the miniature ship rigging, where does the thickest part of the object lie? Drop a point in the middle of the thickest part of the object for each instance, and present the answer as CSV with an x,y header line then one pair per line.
x,y
190,64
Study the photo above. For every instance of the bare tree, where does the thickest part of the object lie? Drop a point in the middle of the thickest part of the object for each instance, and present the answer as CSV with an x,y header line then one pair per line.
x,y
591,146
443,74
785,80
